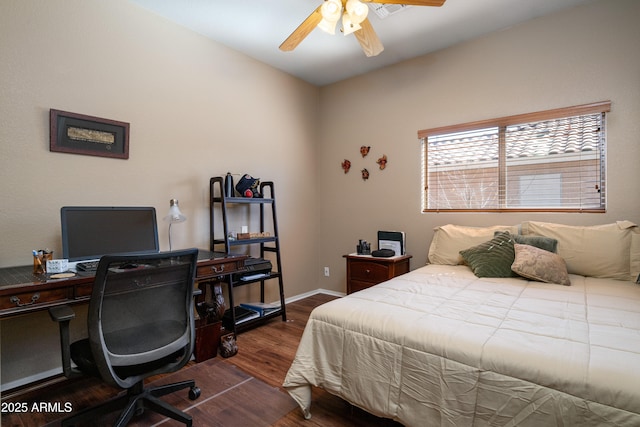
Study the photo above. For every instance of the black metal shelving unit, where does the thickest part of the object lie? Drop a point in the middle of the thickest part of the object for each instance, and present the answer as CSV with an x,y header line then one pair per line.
x,y
266,244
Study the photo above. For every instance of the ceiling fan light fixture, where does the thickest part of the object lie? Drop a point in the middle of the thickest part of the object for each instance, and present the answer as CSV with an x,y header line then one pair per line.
x,y
357,11
328,27
330,11
348,26
354,20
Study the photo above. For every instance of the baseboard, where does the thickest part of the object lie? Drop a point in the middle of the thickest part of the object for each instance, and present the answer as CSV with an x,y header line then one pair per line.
x,y
36,381
312,293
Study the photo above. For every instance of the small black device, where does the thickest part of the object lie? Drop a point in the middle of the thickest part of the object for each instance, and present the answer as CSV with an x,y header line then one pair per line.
x,y
253,267
383,253
87,266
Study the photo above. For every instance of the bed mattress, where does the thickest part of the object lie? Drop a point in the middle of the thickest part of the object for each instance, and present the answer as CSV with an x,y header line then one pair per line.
x,y
441,347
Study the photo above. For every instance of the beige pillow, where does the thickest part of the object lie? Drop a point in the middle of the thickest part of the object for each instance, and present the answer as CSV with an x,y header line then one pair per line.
x,y
538,264
635,254
450,239
595,251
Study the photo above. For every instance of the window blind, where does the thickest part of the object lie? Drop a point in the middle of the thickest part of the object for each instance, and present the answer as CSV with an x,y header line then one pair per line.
x,y
554,162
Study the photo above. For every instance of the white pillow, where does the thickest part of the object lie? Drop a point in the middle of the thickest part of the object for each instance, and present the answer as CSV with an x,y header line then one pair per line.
x,y
450,239
595,251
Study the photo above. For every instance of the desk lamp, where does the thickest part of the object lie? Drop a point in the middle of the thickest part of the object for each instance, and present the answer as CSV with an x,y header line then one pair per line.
x,y
174,216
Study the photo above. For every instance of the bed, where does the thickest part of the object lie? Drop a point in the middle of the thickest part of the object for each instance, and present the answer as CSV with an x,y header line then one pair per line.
x,y
441,346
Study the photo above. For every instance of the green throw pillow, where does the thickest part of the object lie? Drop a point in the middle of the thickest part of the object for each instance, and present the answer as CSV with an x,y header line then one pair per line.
x,y
546,243
492,258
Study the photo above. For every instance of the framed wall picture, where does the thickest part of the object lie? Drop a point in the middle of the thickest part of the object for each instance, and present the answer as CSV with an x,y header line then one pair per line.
x,y
93,136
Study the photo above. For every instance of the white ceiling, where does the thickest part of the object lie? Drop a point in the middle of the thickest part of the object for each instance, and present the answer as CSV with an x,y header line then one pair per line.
x,y
257,27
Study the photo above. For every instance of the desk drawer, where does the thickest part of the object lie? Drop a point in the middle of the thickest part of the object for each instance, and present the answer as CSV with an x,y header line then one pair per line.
x,y
83,290
25,299
216,269
369,272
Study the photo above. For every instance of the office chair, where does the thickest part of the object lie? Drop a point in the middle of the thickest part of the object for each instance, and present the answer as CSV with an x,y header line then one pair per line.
x,y
140,323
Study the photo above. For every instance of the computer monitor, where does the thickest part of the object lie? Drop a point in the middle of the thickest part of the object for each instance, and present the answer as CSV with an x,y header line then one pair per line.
x,y
88,232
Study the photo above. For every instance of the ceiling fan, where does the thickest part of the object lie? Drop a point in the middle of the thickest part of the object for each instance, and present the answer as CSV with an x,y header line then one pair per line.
x,y
354,20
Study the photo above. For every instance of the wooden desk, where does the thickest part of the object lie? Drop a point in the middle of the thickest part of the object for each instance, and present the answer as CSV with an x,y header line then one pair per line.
x,y
23,292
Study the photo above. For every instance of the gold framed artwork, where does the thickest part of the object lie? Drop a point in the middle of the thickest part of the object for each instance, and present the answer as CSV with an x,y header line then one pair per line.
x,y
93,136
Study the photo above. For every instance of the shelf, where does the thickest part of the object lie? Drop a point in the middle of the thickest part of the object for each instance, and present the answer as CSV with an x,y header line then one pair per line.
x,y
252,323
243,200
224,206
244,241
252,241
239,282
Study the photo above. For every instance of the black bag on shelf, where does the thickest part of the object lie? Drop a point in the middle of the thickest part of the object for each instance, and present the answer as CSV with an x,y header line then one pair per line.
x,y
248,186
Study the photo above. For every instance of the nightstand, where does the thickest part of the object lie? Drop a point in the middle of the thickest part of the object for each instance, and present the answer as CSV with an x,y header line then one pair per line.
x,y
364,271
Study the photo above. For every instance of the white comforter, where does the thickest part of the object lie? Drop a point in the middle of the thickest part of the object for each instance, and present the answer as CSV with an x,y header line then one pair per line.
x,y
440,347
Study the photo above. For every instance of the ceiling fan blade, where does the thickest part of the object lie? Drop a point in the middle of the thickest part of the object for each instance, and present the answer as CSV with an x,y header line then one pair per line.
x,y
368,39
436,3
302,31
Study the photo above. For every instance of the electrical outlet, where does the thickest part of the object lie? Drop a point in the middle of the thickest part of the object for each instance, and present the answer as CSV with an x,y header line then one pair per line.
x,y
326,271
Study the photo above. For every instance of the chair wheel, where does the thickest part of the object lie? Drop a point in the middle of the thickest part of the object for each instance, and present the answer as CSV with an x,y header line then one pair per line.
x,y
194,392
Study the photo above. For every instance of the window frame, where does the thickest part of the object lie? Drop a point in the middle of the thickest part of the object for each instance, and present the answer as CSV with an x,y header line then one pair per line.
x,y
503,123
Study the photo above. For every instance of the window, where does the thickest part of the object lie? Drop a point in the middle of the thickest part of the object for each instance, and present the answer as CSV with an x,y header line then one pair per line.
x,y
546,161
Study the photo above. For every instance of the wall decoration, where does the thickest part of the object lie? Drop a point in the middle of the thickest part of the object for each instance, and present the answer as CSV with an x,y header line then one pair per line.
x,y
93,136
346,165
364,151
382,162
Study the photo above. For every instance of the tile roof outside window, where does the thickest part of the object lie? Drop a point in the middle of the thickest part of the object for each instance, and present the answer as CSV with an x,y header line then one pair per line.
x,y
484,168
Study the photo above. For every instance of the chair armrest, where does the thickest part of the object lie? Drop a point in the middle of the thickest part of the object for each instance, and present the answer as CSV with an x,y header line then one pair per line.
x,y
63,315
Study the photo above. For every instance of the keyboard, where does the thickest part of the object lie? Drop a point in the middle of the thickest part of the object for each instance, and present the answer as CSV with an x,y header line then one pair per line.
x,y
87,266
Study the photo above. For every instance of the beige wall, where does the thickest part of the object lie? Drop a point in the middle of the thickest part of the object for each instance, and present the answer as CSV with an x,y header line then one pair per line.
x,y
577,56
197,109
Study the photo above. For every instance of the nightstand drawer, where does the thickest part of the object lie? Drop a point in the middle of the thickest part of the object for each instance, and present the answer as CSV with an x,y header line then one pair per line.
x,y
364,272
357,285
369,271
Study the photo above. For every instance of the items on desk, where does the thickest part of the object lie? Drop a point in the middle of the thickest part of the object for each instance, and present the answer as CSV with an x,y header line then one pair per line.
x,y
87,266
62,275
57,265
40,259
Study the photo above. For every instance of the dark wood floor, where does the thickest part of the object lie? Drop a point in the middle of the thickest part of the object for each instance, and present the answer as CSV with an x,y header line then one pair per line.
x,y
264,353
